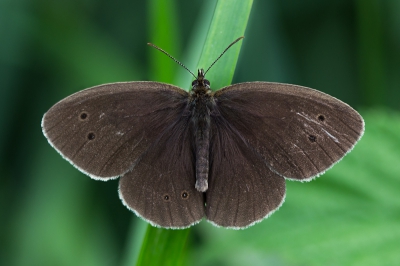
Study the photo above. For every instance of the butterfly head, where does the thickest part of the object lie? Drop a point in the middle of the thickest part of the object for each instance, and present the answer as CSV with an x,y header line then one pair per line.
x,y
200,84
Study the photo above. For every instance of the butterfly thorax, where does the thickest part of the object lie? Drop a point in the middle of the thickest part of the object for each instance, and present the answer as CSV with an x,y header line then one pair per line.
x,y
200,106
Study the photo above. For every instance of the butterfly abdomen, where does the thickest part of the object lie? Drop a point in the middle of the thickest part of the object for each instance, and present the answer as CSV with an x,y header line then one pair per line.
x,y
201,129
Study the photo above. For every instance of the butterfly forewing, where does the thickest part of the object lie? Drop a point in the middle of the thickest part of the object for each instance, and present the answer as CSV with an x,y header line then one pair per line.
x,y
300,132
103,130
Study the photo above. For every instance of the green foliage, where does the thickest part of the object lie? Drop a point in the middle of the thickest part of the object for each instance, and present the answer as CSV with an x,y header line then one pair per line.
x,y
53,215
163,247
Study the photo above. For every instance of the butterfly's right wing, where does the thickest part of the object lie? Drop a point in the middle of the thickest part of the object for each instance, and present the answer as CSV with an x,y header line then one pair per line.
x,y
263,132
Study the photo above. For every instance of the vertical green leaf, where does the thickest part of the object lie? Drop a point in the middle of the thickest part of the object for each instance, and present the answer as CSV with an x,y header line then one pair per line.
x,y
163,31
162,246
195,45
229,23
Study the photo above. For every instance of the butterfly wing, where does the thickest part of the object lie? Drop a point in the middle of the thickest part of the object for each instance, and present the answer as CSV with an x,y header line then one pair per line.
x,y
137,130
104,130
161,187
299,132
242,189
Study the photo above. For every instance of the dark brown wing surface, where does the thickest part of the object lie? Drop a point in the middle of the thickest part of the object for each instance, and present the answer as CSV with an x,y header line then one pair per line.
x,y
105,129
242,189
161,186
299,132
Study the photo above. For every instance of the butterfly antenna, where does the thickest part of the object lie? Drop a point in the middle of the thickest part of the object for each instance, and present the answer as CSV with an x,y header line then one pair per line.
x,y
226,49
173,58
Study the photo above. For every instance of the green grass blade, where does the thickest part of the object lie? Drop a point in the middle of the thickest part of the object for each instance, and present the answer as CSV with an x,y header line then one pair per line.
x,y
163,31
162,246
229,23
191,56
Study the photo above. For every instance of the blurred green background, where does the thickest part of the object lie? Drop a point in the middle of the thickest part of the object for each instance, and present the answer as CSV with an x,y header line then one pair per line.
x,y
51,214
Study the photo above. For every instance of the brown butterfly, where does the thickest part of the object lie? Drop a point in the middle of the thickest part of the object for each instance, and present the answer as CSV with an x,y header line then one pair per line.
x,y
184,156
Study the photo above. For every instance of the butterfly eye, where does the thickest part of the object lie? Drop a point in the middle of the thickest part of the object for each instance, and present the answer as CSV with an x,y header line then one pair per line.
x,y
321,118
83,116
91,136
312,138
185,195
166,197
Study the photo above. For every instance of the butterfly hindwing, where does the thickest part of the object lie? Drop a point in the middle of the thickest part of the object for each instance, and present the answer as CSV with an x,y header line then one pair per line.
x,y
242,189
160,188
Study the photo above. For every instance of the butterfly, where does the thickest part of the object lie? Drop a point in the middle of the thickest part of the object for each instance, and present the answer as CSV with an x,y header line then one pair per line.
x,y
184,156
